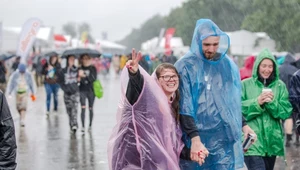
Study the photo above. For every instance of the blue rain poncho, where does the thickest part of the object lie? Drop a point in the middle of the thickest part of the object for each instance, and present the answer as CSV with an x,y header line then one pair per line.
x,y
210,92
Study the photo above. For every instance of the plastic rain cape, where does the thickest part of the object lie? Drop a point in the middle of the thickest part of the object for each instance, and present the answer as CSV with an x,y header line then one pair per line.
x,y
14,79
210,92
146,136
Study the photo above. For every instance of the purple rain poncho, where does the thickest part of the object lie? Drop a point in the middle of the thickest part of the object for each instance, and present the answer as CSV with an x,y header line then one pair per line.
x,y
146,136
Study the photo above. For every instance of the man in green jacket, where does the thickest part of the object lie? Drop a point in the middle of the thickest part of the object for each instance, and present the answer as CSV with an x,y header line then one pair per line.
x,y
264,103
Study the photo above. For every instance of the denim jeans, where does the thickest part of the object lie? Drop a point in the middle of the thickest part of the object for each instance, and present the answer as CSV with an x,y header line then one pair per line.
x,y
260,163
51,88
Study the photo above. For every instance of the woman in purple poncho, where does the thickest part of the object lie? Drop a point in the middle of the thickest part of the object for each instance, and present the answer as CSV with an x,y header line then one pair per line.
x,y
147,135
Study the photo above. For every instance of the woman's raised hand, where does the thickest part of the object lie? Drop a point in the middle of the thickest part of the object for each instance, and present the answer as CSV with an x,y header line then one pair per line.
x,y
133,64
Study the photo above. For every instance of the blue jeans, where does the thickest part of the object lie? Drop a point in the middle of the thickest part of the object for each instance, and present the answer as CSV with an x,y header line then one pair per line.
x,y
51,88
260,163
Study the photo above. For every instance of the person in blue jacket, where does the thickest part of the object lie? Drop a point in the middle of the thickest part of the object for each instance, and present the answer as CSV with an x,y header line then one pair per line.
x,y
210,100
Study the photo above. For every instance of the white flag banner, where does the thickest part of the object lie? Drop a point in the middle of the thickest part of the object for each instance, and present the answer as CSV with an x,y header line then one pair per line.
x,y
1,36
27,37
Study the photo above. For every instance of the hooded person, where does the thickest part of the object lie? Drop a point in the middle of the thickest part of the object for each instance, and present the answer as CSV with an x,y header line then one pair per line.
x,y
264,104
294,97
210,109
69,80
246,71
147,135
22,83
286,71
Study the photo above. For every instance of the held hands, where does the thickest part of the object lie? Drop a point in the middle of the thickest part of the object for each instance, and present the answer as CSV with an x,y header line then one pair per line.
x,y
265,97
198,151
133,65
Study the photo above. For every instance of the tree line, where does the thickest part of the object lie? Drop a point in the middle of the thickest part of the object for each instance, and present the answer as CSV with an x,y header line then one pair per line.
x,y
280,19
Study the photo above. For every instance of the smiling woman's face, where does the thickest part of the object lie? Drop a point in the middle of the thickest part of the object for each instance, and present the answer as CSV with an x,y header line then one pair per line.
x,y
266,68
168,80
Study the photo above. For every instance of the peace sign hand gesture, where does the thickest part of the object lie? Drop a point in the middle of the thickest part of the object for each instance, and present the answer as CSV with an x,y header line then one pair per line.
x,y
133,64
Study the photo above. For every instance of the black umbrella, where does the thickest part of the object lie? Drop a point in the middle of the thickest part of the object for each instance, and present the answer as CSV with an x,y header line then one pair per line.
x,y
52,53
6,56
77,52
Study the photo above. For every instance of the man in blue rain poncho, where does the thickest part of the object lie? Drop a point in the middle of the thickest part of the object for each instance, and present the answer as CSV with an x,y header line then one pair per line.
x,y
210,104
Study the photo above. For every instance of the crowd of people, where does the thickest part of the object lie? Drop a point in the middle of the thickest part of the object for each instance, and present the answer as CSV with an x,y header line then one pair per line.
x,y
75,81
191,113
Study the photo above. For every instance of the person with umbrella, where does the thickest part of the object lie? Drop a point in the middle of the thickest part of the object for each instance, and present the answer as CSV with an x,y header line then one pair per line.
x,y
68,79
87,74
50,71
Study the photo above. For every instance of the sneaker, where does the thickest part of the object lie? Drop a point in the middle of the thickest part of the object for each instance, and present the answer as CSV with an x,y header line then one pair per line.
x,y
82,130
55,112
22,123
297,143
47,114
74,129
90,129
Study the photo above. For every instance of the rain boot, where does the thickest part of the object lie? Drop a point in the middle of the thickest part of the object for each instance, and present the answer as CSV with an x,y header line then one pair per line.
x,y
288,140
297,143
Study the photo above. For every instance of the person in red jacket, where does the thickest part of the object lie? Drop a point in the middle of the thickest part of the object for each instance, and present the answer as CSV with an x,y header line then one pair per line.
x,y
246,71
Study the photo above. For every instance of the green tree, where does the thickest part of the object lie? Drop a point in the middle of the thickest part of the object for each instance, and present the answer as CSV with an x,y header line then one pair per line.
x,y
148,30
70,29
279,19
227,14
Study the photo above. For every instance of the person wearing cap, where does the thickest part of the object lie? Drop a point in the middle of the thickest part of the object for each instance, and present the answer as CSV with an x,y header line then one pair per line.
x,y
22,83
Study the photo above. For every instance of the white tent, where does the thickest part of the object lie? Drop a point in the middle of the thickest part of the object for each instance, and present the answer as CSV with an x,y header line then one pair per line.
x,y
106,46
244,42
44,38
152,46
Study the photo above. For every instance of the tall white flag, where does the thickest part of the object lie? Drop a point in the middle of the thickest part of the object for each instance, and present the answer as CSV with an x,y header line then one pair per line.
x,y
27,37
1,36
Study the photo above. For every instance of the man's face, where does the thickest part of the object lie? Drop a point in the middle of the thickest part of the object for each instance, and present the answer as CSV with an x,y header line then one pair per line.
x,y
210,46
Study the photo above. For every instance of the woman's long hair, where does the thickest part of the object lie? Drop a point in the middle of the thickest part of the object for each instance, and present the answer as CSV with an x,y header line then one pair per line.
x,y
175,103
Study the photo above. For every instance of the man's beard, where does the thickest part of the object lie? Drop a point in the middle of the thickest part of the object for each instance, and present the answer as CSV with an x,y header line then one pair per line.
x,y
210,56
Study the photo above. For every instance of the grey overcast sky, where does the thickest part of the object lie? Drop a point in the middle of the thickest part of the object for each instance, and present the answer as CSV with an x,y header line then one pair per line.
x,y
116,17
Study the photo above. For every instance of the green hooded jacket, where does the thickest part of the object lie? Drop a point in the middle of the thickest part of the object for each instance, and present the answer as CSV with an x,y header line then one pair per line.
x,y
265,119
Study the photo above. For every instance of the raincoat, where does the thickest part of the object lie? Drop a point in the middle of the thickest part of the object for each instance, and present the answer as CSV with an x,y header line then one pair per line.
x,y
146,136
265,119
294,97
8,145
210,93
15,80
246,71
